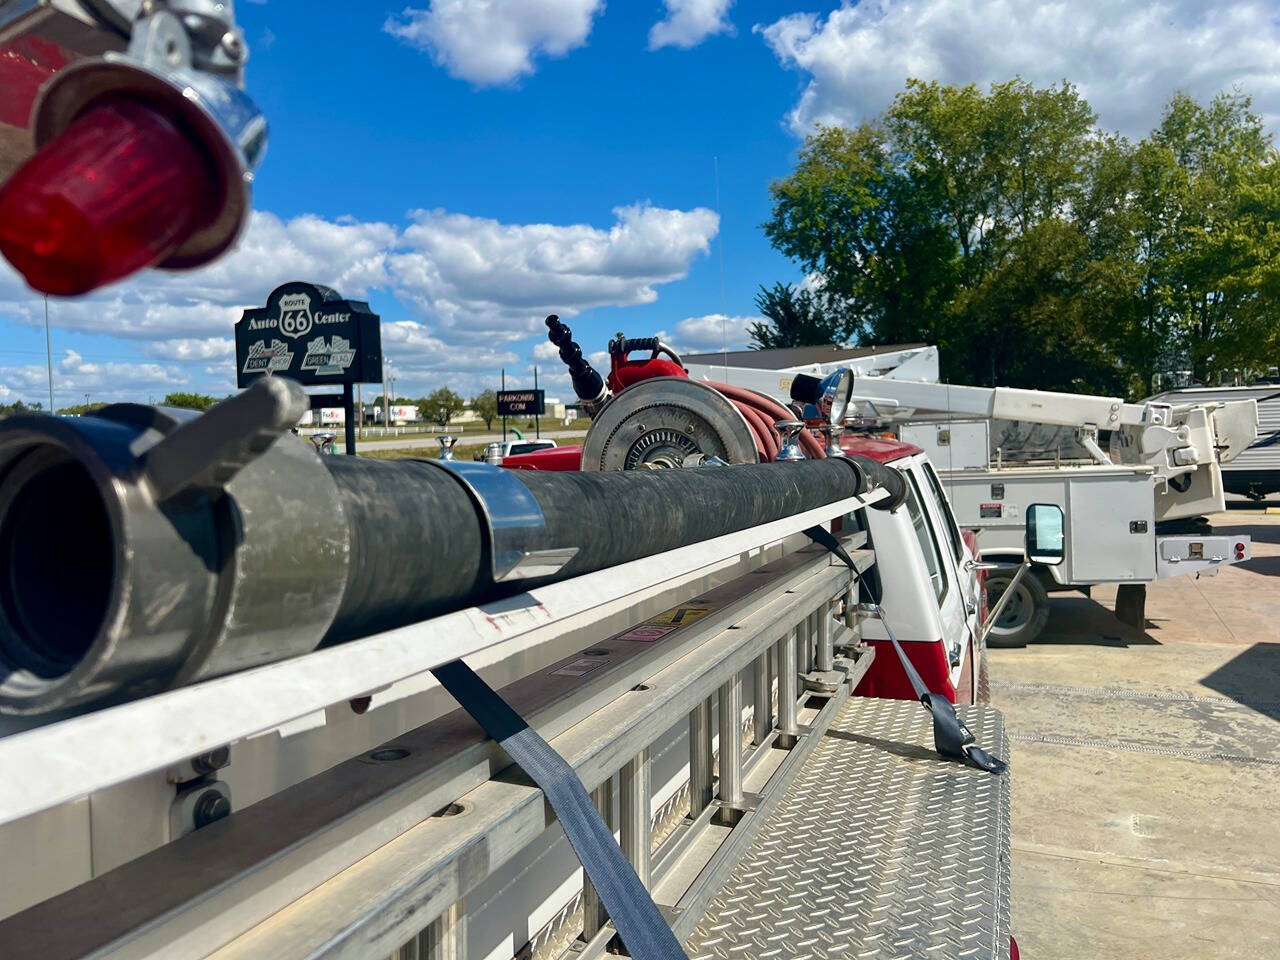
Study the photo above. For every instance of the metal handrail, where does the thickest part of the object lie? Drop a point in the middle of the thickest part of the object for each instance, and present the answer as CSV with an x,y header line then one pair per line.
x,y
427,870
46,766
320,837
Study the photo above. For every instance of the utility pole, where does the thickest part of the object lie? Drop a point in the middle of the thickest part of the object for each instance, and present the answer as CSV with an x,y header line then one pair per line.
x,y
48,348
360,404
386,401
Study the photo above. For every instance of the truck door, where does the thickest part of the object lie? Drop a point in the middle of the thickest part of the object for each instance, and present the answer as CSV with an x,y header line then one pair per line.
x,y
928,518
961,555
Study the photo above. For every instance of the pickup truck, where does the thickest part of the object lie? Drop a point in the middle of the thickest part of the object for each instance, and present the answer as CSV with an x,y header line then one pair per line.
x,y
499,450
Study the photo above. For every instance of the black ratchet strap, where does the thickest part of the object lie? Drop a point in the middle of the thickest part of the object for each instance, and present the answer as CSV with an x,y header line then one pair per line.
x,y
640,924
951,738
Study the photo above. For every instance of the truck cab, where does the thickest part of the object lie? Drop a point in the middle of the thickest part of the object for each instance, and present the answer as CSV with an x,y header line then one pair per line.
x,y
930,586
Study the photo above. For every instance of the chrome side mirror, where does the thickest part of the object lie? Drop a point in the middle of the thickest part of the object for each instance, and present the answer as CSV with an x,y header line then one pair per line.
x,y
829,395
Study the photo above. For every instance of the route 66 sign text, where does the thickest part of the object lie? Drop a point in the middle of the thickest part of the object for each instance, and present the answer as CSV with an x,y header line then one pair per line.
x,y
309,333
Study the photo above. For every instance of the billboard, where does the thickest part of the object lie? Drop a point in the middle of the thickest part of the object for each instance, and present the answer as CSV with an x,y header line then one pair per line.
x,y
309,333
399,413
522,403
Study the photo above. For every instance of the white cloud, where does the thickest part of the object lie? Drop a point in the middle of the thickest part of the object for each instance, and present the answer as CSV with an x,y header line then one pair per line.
x,y
192,350
472,286
689,22
488,42
484,278
546,350
714,332
1126,56
74,377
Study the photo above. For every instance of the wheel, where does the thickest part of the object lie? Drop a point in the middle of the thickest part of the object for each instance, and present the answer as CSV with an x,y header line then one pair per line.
x,y
1026,613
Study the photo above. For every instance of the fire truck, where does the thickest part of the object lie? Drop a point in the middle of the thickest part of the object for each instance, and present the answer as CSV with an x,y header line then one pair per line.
x,y
464,710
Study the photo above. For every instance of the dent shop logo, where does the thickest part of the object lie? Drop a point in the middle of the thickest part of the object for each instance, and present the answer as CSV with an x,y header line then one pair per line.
x,y
333,357
268,359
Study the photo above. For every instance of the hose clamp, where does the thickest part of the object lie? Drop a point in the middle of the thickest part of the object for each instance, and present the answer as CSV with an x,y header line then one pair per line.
x,y
513,518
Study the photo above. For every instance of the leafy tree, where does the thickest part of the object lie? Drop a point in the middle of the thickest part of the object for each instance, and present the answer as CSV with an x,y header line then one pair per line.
x,y
485,405
1036,250
1207,210
80,409
18,407
188,401
441,406
796,318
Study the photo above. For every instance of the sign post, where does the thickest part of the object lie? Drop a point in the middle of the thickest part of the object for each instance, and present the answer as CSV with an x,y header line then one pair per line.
x,y
310,334
504,416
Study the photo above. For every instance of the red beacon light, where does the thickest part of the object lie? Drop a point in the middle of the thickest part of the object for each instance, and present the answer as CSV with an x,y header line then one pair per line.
x,y
142,160
119,190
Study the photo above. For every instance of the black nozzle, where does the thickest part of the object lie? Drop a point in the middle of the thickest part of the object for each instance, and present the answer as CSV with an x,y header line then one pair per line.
x,y
587,384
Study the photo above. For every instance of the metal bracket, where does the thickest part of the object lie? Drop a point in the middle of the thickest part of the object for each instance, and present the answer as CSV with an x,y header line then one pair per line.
x,y
512,514
993,614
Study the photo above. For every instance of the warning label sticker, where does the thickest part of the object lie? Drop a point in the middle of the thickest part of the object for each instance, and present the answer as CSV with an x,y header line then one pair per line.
x,y
580,668
661,624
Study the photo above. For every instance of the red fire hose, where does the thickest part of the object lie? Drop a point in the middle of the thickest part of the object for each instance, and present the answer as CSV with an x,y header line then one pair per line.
x,y
760,413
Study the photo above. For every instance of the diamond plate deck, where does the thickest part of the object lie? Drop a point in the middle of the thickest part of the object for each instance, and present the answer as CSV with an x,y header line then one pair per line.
x,y
878,849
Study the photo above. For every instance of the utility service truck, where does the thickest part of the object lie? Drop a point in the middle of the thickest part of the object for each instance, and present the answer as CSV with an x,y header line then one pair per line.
x,y
1134,510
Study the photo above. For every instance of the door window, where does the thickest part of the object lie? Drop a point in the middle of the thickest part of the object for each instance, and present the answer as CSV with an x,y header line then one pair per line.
x,y
948,518
928,542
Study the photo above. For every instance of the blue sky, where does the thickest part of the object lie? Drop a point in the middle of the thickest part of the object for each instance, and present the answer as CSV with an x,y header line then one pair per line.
x,y
470,165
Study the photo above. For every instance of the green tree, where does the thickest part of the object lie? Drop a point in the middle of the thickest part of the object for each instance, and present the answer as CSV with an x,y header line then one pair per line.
x,y
1207,204
796,318
188,401
485,405
80,409
441,406
943,221
18,407
1036,250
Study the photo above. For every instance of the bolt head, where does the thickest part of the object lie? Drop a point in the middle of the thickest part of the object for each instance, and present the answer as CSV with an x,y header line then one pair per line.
x,y
232,45
211,807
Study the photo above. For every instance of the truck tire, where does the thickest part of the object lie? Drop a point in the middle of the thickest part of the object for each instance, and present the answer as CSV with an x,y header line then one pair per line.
x,y
1025,616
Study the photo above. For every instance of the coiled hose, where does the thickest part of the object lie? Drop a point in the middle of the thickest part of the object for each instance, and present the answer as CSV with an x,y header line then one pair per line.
x,y
760,413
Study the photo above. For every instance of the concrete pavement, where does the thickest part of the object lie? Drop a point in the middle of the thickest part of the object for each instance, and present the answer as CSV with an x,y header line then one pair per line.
x,y
1146,803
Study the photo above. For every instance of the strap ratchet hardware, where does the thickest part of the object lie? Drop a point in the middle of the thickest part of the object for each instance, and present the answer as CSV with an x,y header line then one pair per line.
x,y
951,738
637,918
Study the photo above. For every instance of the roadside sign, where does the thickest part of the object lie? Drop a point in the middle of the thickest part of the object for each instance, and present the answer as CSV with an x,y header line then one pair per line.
x,y
522,403
309,333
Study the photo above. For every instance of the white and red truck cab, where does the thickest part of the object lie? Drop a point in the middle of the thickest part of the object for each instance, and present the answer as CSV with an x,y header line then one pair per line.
x,y
930,585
